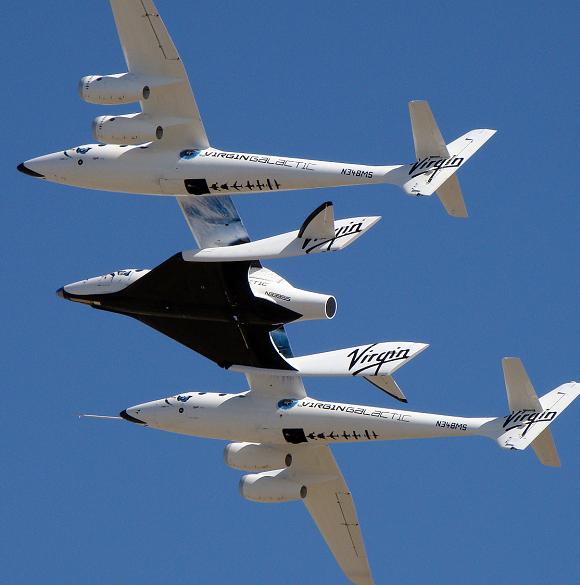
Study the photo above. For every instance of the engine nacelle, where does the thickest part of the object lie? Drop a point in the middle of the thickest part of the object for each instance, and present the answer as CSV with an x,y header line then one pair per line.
x,y
126,129
268,487
120,88
256,457
310,305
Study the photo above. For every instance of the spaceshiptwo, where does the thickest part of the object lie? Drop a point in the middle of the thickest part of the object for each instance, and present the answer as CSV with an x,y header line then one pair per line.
x,y
164,150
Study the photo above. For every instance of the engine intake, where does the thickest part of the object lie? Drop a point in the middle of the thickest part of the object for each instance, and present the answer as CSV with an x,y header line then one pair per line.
x,y
126,129
256,457
269,487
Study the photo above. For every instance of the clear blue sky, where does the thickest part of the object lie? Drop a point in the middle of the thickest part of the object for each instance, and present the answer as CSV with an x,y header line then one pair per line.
x,y
106,502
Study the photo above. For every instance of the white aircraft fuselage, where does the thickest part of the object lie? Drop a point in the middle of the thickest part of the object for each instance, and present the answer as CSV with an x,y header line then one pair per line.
x,y
148,169
243,417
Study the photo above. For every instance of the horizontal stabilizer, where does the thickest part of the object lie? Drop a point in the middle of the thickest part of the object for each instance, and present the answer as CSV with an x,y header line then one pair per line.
x,y
369,361
429,173
436,162
530,417
319,233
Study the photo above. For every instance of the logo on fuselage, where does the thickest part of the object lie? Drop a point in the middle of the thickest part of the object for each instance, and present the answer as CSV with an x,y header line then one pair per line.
x,y
189,154
287,403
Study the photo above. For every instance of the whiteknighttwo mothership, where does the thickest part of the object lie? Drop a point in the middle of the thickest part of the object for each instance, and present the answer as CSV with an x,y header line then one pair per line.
x,y
164,150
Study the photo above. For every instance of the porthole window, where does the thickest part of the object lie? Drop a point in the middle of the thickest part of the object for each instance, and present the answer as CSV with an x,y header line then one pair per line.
x,y
181,410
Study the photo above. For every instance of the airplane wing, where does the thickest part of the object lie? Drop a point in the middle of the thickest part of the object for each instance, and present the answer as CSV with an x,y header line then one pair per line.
x,y
276,386
150,52
331,506
214,221
208,307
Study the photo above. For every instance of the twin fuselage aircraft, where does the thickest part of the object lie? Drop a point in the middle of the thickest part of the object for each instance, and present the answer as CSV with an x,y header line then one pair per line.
x,y
220,301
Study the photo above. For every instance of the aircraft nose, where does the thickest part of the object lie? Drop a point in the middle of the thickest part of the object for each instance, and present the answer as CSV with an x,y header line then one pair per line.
x,y
129,417
28,171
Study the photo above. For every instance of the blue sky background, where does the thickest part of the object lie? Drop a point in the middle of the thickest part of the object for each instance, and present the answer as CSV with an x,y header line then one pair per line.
x,y
106,502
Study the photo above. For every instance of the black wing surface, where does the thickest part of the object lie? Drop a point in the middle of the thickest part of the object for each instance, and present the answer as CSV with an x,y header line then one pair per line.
x,y
207,306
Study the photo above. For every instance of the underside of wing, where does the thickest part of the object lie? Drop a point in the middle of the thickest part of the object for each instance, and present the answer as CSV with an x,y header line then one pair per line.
x,y
150,54
214,221
331,506
276,386
223,343
209,308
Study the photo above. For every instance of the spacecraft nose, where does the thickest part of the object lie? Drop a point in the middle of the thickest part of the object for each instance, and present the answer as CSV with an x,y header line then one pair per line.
x,y
23,168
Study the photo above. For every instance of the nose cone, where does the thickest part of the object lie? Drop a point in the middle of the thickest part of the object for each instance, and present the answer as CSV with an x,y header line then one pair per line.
x,y
129,417
53,167
28,171
152,414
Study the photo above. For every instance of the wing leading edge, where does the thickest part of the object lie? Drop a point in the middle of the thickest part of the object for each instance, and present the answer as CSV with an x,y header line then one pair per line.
x,y
150,53
332,508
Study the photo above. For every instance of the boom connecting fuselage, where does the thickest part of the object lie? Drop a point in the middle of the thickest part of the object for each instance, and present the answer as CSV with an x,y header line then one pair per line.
x,y
243,417
151,170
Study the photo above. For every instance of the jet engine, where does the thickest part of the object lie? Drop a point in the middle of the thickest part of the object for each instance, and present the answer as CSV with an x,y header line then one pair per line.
x,y
120,88
256,457
126,129
268,285
268,487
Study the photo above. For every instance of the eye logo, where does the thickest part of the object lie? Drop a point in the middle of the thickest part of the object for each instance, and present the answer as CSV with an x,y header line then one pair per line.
x,y
183,398
188,154
81,150
286,404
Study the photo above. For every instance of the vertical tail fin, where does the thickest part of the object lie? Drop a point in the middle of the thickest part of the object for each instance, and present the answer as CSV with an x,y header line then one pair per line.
x,y
531,416
520,392
426,134
437,162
